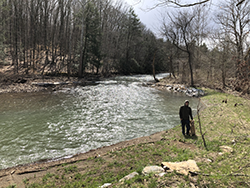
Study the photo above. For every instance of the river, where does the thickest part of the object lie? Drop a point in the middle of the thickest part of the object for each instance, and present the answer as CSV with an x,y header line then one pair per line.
x,y
35,126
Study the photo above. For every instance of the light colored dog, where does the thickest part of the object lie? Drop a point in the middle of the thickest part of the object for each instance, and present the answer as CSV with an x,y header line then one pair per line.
x,y
192,128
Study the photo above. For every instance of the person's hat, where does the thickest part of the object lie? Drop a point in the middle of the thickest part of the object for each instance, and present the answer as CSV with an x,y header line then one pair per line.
x,y
186,101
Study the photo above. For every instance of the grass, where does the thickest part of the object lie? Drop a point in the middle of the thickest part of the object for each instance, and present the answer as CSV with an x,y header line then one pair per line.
x,y
223,123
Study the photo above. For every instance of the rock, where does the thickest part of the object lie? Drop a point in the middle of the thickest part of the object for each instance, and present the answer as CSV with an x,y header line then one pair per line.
x,y
226,149
233,141
169,88
128,177
208,160
204,160
192,185
152,169
182,167
161,174
106,185
193,179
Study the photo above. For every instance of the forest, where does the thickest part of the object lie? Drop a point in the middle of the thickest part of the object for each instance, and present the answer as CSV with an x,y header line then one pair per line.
x,y
75,37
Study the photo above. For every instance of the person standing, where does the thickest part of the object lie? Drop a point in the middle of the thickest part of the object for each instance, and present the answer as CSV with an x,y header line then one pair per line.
x,y
185,115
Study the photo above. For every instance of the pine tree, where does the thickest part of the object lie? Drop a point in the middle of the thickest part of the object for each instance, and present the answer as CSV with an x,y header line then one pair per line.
x,y
93,37
129,64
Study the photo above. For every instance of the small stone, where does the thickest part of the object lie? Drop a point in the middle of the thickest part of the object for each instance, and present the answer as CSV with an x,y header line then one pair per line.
x,y
12,172
226,149
128,177
161,174
193,179
106,185
192,185
152,169
209,160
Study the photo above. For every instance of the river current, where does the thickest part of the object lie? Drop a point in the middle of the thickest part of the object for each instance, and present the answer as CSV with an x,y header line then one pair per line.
x,y
35,126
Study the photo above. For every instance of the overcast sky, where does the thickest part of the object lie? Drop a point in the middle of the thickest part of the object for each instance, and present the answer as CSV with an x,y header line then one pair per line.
x,y
153,18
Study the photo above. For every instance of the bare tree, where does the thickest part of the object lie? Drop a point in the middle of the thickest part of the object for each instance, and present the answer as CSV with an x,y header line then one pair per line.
x,y
180,32
234,18
42,35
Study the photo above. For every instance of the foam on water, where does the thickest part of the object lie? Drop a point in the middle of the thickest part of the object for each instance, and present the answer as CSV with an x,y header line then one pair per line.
x,y
37,126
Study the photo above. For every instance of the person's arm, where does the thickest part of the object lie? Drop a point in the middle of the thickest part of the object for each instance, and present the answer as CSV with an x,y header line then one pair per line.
x,y
180,113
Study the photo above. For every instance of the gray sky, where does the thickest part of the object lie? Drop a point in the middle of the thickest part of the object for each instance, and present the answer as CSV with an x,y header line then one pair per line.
x,y
153,18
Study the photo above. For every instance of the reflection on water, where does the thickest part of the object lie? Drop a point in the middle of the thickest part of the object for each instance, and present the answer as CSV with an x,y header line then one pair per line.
x,y
37,126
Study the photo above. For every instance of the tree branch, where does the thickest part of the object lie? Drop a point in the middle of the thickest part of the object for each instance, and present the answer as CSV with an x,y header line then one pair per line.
x,y
242,1
166,2
187,5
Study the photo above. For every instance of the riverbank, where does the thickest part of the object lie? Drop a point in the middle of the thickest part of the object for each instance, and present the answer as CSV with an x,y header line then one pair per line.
x,y
224,124
175,85
37,83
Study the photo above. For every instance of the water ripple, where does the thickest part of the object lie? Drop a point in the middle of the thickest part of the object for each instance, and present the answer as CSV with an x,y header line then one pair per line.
x,y
74,120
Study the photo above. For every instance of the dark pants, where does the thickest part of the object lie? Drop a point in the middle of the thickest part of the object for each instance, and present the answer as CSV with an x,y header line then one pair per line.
x,y
187,124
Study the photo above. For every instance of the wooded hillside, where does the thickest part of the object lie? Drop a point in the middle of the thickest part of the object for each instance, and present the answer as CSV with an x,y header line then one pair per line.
x,y
200,44
74,37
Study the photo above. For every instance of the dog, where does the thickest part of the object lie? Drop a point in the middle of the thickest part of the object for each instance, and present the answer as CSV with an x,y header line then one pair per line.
x,y
192,128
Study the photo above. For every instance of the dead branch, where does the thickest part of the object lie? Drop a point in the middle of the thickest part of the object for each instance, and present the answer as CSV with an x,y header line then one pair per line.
x,y
198,115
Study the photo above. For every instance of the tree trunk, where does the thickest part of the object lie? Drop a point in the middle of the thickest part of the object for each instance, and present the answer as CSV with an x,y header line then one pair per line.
x,y
190,62
171,66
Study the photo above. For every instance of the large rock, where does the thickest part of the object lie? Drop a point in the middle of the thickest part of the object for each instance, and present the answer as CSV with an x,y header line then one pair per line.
x,y
226,149
152,169
128,177
182,167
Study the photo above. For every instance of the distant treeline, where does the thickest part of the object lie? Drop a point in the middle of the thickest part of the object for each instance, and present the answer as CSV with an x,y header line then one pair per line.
x,y
75,37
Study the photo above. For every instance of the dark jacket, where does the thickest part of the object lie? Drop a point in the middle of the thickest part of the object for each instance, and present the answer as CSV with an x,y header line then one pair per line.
x,y
185,112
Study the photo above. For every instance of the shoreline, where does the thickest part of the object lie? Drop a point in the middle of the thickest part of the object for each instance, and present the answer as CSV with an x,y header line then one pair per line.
x,y
34,83
53,84
43,165
111,163
97,152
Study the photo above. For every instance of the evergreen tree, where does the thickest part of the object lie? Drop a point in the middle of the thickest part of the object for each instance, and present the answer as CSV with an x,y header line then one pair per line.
x,y
93,37
3,23
129,63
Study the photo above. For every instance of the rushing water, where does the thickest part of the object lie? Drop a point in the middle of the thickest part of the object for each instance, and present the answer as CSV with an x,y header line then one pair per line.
x,y
36,126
